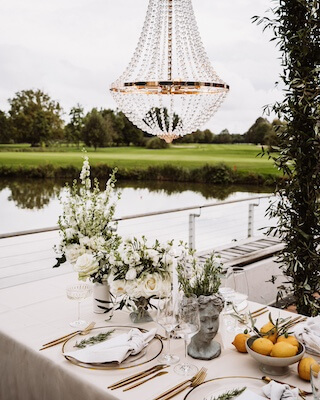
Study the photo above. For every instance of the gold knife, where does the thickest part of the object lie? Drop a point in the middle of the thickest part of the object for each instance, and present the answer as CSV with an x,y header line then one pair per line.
x,y
137,376
145,380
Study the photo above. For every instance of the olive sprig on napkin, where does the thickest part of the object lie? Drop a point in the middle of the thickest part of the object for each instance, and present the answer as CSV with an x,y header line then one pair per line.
x,y
93,340
231,394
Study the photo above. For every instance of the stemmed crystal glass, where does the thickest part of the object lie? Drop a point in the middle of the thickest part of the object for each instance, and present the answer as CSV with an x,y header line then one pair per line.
x,y
235,292
167,317
78,291
189,325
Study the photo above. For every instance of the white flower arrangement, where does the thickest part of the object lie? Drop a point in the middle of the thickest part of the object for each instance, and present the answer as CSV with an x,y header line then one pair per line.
x,y
86,227
141,271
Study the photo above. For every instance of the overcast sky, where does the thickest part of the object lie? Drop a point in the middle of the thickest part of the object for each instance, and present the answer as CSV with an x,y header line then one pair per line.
x,y
74,49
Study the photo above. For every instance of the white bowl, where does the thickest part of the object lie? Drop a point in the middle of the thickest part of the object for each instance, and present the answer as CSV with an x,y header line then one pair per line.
x,y
274,365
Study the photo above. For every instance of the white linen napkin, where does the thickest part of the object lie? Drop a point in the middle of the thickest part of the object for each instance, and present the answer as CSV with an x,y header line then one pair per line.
x,y
309,334
277,391
248,395
116,349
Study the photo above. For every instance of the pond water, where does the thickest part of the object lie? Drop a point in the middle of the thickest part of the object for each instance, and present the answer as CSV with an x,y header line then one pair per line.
x,y
32,204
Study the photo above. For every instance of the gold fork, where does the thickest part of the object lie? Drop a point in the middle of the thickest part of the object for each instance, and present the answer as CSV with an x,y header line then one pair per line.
x,y
198,378
196,382
66,337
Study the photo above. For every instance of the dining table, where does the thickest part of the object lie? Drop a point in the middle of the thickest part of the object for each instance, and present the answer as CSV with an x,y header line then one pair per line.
x,y
35,313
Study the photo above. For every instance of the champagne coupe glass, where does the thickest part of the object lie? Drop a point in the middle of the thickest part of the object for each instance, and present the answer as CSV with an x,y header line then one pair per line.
x,y
189,325
167,317
78,291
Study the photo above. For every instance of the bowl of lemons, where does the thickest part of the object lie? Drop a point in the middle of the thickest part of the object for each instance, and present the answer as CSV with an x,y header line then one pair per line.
x,y
275,353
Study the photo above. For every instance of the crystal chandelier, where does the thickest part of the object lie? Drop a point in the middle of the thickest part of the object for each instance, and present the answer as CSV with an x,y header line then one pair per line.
x,y
169,88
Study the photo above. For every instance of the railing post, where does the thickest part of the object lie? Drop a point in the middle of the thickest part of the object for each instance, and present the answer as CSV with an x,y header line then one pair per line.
x,y
251,218
192,230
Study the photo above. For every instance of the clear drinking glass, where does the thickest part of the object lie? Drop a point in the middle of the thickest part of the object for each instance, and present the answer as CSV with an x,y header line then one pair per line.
x,y
78,292
241,287
315,380
167,317
189,325
235,292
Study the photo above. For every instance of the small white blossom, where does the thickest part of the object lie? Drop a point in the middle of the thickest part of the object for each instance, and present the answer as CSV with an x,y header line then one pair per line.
x,y
131,274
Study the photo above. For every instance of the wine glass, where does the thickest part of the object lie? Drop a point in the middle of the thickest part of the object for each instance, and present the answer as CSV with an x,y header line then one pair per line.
x,y
241,288
189,325
78,291
167,317
235,297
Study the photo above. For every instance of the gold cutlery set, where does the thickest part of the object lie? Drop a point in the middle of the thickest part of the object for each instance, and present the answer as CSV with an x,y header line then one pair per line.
x,y
64,338
157,370
290,323
254,314
138,376
196,380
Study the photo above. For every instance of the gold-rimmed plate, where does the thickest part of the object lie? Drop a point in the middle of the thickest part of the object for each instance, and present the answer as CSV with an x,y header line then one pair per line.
x,y
212,388
146,355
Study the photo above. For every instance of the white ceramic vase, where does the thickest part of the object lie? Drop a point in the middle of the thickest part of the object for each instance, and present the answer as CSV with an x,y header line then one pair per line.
x,y
102,299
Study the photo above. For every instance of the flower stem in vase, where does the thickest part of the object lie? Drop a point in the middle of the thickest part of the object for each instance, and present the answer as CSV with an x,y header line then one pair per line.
x,y
141,314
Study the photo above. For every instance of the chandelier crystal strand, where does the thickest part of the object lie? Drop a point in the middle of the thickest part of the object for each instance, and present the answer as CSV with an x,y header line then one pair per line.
x,y
169,88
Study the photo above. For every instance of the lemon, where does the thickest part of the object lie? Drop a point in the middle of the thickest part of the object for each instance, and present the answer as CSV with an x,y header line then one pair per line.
x,y
269,331
239,342
304,367
262,346
283,349
289,339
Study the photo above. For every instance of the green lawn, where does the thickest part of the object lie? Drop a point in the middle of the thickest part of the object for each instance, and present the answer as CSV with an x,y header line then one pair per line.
x,y
241,157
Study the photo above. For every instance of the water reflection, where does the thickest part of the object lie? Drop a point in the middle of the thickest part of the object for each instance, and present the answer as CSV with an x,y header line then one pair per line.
x,y
31,195
208,191
36,194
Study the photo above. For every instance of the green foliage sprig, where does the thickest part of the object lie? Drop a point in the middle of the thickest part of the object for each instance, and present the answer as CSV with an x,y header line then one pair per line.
x,y
280,325
198,278
296,30
231,394
94,340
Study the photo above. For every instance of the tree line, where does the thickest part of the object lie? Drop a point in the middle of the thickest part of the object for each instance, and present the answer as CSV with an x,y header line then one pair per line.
x,y
35,118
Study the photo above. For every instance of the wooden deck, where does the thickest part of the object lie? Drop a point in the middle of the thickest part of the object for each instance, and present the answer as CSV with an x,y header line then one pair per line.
x,y
246,252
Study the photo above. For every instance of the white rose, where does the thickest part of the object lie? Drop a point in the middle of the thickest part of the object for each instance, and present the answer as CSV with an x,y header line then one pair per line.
x,y
131,274
152,285
118,287
73,252
86,265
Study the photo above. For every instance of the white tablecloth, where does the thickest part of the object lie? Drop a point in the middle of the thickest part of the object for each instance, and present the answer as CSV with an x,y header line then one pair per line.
x,y
37,312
